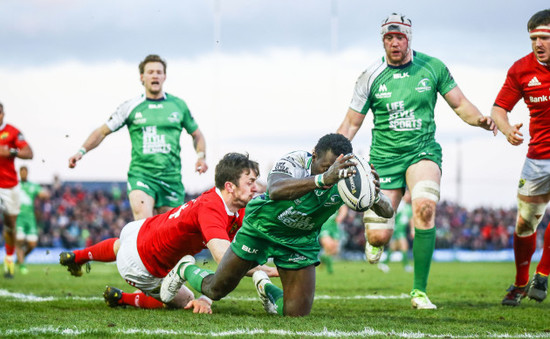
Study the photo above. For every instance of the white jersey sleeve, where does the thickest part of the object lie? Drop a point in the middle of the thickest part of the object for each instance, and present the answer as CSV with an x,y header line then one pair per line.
x,y
118,118
295,164
363,86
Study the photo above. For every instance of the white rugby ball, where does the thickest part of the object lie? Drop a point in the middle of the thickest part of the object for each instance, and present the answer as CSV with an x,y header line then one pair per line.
x,y
358,191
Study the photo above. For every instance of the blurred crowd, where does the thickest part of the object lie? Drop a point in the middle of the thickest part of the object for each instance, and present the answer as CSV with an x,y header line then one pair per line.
x,y
82,214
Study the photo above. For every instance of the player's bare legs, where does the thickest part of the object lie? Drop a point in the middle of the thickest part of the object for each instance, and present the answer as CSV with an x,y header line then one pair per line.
x,y
142,204
298,290
9,239
229,273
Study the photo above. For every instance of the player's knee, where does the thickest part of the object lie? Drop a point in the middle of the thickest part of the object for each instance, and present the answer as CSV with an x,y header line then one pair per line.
x,y
426,211
529,217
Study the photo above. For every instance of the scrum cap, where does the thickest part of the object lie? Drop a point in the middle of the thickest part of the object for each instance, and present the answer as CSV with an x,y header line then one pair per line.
x,y
397,23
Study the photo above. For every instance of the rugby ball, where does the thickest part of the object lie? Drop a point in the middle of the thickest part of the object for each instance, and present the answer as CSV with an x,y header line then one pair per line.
x,y
358,191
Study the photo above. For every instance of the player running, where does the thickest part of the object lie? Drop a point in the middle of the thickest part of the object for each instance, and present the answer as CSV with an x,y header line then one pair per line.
x,y
12,145
282,224
27,232
149,248
155,121
401,91
529,78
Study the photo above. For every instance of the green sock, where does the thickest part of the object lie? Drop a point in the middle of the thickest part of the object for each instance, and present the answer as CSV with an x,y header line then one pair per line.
x,y
327,260
405,260
423,249
194,275
275,295
388,255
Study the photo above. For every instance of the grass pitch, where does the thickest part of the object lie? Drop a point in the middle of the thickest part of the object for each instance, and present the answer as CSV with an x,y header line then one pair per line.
x,y
358,300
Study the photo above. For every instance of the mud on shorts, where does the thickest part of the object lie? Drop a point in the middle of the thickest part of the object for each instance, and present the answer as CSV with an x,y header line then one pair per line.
x,y
252,245
129,263
535,177
167,192
393,171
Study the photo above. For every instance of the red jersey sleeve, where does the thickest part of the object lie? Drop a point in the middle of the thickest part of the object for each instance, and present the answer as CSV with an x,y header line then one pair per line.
x,y
511,91
213,222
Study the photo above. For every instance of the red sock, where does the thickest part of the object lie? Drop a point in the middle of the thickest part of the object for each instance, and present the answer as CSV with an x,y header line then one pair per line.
x,y
102,251
139,299
10,249
524,247
544,265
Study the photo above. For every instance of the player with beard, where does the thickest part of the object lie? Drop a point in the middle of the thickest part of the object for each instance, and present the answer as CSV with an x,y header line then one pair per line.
x,y
155,122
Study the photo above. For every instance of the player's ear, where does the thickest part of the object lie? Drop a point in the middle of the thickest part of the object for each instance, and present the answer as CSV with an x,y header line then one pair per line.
x,y
229,186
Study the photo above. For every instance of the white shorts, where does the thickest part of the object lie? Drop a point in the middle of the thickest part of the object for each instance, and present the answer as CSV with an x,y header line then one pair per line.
x,y
129,263
10,200
535,177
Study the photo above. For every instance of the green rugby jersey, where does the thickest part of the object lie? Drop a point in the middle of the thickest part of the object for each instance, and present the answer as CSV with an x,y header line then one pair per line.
x,y
402,100
155,128
29,191
293,222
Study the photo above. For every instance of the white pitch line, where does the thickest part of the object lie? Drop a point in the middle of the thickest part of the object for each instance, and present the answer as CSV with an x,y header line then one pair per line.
x,y
367,331
34,298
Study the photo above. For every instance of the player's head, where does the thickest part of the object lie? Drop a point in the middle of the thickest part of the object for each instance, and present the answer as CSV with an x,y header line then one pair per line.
x,y
328,148
396,33
152,73
237,174
539,32
23,173
151,58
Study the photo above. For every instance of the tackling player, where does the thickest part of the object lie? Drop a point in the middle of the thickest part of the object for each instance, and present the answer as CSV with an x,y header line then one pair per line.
x,y
12,145
282,224
155,121
149,248
529,78
27,232
401,91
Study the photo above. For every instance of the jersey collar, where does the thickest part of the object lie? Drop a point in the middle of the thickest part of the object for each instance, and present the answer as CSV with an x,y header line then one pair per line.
x,y
224,204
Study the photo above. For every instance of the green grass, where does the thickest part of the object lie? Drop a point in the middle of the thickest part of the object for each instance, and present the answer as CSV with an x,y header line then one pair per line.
x,y
468,297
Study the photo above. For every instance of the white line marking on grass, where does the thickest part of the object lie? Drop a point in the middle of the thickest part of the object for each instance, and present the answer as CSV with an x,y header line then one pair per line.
x,y
34,298
283,333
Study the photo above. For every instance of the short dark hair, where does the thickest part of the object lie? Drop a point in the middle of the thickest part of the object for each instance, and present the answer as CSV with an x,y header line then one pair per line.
x,y
151,58
337,143
232,166
539,18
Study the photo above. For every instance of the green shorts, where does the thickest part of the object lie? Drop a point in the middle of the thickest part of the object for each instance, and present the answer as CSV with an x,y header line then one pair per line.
x,y
392,171
166,192
26,225
252,245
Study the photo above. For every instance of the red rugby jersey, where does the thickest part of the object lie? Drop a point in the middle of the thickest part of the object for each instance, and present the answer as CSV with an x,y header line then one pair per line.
x,y
165,238
530,80
13,138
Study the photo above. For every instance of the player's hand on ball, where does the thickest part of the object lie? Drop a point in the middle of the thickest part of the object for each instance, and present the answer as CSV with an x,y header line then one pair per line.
x,y
199,306
343,167
376,177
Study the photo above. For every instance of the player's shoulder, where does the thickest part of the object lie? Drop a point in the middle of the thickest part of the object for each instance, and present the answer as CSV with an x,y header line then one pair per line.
x,y
292,163
373,69
179,101
423,58
527,61
130,104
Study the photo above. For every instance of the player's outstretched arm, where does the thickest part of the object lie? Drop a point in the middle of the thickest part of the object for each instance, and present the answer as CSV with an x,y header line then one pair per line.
x,y
512,133
468,112
95,138
286,187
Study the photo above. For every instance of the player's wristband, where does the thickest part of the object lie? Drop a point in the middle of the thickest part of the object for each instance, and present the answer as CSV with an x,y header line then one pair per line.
x,y
205,298
82,150
319,182
14,152
201,155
